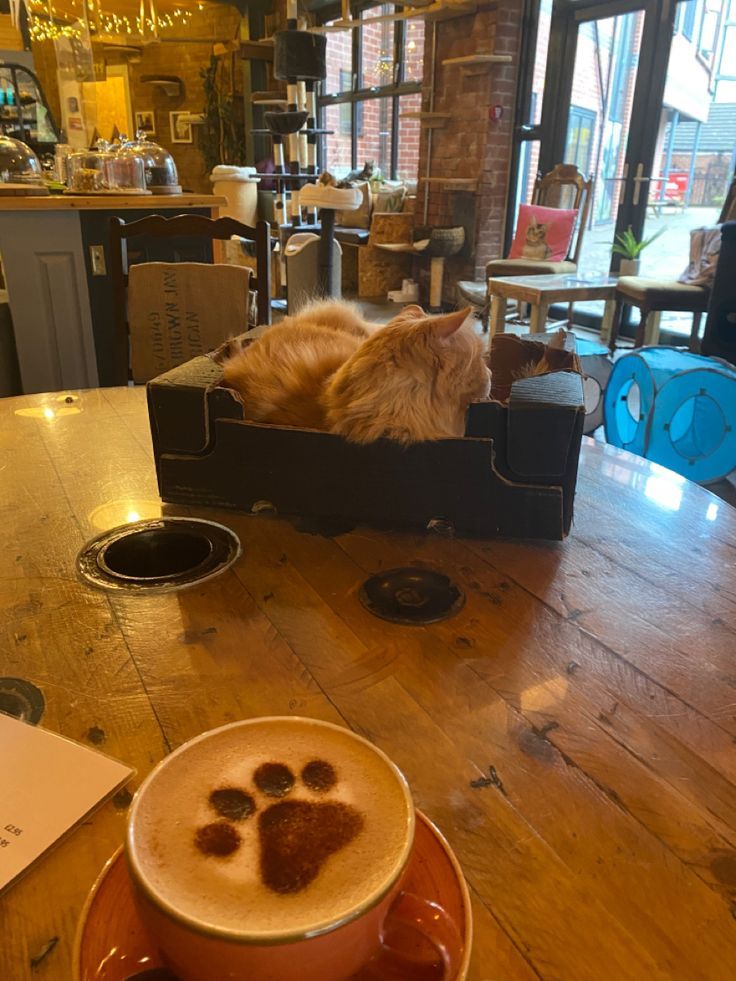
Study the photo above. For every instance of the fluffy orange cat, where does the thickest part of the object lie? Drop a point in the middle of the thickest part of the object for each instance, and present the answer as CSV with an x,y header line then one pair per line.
x,y
327,368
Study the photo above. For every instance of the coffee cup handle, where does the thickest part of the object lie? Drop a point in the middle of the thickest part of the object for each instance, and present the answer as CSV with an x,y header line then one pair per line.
x,y
418,932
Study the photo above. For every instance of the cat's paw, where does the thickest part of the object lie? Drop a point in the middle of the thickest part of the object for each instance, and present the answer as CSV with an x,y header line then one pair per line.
x,y
296,834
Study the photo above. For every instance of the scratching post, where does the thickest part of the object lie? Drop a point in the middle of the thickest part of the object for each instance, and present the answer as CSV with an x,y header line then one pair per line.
x,y
311,107
436,276
329,200
325,280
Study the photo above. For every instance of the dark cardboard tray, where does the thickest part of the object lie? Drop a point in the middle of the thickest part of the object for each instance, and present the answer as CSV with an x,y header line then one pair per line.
x,y
513,473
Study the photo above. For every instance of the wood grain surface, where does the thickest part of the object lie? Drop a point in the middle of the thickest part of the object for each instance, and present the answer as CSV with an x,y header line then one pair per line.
x,y
109,202
596,677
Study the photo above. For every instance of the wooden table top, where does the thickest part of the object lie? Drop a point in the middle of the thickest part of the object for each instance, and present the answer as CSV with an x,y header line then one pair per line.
x,y
597,677
110,202
552,289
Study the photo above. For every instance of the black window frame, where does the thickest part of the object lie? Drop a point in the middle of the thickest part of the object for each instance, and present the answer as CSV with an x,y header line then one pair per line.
x,y
357,96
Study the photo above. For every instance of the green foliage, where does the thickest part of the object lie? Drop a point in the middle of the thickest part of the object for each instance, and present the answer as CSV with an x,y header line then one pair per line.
x,y
627,245
222,135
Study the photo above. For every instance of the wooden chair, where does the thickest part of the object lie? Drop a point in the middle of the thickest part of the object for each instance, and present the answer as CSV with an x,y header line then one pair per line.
x,y
652,297
563,187
184,227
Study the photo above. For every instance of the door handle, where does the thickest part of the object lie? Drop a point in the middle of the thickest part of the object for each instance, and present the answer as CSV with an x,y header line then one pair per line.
x,y
638,181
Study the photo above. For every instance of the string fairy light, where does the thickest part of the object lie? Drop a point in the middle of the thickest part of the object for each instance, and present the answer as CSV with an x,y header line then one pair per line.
x,y
47,24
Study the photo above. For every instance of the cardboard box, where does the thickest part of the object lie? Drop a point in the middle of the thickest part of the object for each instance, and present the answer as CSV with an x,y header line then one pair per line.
x,y
512,474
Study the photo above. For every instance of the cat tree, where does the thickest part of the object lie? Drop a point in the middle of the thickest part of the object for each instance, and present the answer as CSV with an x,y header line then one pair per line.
x,y
299,60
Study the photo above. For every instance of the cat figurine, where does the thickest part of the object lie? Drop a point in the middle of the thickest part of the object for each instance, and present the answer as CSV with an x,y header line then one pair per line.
x,y
327,368
535,245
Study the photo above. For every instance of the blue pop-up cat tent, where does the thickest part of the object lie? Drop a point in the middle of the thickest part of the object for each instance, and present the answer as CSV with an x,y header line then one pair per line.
x,y
676,409
596,364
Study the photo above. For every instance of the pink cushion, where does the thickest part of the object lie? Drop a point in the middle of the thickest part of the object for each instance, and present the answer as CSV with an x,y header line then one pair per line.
x,y
543,233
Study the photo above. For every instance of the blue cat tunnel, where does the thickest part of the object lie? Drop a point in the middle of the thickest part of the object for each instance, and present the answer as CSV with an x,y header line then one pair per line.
x,y
595,361
676,409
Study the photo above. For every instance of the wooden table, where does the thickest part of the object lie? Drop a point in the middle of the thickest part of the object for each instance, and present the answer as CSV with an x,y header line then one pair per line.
x,y
542,291
596,677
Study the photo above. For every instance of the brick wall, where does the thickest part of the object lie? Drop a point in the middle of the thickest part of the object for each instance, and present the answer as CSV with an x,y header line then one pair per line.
x,y
10,39
44,65
471,145
185,59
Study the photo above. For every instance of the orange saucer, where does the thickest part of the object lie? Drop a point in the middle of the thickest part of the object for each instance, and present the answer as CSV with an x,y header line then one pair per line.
x,y
112,945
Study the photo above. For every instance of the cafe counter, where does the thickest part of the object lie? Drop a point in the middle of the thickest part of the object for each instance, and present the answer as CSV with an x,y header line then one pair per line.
x,y
55,256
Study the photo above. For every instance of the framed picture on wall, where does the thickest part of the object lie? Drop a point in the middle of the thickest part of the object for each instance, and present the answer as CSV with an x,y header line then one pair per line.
x,y
146,121
181,127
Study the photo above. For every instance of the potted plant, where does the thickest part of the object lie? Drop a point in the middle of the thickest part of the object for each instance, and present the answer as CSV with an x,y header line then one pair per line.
x,y
630,249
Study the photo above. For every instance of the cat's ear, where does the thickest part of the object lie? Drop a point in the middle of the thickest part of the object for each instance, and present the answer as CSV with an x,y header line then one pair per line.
x,y
532,222
407,315
447,324
413,310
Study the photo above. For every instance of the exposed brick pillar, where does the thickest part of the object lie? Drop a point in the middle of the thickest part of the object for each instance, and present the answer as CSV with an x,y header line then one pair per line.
x,y
471,145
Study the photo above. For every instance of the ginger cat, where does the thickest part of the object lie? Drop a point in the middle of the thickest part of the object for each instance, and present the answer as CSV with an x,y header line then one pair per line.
x,y
327,368
410,381
281,376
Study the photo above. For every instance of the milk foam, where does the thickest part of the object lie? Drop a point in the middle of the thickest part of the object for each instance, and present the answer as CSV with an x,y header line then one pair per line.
x,y
228,893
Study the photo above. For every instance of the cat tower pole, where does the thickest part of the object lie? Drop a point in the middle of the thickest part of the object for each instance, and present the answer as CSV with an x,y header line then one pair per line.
x,y
310,101
299,60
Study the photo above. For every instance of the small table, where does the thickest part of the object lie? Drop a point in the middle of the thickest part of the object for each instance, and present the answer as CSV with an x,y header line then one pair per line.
x,y
542,291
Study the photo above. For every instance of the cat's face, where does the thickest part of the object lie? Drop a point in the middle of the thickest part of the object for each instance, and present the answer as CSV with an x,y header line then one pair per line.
x,y
411,381
536,233
444,350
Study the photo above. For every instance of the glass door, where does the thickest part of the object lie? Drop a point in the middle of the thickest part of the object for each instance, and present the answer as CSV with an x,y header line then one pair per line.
x,y
601,99
599,121
695,149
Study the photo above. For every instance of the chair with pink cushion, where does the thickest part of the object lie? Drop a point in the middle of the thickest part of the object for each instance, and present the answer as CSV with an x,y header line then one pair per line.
x,y
563,190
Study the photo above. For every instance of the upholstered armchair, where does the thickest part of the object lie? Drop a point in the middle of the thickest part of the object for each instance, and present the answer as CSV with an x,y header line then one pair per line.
x,y
563,187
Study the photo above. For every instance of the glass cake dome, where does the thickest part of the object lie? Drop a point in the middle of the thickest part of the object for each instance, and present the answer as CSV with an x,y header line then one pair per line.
x,y
88,170
19,164
159,165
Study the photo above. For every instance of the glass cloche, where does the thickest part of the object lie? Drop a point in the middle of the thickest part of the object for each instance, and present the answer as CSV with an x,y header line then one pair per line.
x,y
106,170
19,165
87,170
160,168
125,172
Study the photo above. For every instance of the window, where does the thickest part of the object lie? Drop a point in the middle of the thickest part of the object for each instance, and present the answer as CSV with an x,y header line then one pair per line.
x,y
374,76
580,129
709,29
345,107
685,19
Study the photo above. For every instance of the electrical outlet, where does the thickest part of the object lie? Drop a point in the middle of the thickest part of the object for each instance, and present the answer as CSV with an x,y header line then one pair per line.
x,y
97,258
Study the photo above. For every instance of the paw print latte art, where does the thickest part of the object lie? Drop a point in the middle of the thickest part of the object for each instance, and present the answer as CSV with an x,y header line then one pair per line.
x,y
295,837
271,827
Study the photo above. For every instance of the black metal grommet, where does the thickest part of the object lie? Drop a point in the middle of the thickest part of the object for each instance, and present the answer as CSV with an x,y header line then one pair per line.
x,y
158,554
21,699
411,596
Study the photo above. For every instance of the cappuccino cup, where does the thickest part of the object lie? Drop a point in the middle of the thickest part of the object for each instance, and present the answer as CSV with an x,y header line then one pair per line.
x,y
274,849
